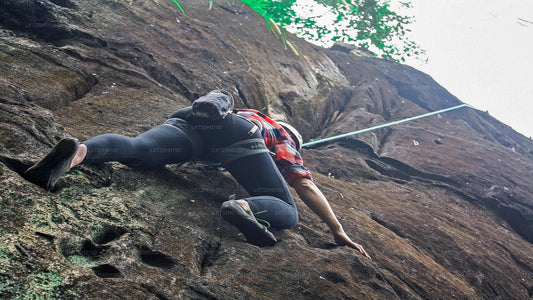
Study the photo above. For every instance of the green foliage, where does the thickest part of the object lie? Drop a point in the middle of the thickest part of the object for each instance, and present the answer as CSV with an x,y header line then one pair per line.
x,y
368,24
280,11
179,6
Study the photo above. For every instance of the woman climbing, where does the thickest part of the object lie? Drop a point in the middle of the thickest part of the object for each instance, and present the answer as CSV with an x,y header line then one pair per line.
x,y
261,154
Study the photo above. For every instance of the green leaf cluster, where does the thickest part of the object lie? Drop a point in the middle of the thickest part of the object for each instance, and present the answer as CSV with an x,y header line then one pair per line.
x,y
368,24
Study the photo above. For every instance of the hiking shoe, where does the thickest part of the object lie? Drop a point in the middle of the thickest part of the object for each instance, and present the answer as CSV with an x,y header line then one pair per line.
x,y
254,232
55,164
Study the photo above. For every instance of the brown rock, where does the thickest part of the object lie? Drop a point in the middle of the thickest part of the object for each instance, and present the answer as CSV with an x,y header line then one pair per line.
x,y
442,204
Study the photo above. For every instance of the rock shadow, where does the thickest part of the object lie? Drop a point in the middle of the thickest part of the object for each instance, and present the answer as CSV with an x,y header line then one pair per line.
x,y
107,271
156,258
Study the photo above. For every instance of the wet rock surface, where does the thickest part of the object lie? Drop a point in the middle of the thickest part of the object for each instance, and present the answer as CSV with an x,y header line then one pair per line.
x,y
442,204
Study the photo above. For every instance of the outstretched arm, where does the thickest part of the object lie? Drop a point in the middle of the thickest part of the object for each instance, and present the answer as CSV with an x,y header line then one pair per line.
x,y
315,199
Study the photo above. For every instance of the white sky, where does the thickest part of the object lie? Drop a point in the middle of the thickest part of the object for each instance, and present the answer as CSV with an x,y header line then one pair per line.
x,y
481,51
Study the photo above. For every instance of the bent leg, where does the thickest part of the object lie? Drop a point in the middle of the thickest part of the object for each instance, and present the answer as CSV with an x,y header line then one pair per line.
x,y
270,199
256,171
163,144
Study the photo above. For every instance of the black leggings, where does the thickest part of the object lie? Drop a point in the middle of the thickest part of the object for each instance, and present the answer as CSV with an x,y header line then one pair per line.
x,y
270,198
163,144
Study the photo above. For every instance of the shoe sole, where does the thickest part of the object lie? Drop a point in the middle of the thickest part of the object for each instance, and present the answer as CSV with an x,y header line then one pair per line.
x,y
55,164
253,231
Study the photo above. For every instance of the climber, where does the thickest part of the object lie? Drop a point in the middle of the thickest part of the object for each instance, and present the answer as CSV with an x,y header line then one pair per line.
x,y
261,154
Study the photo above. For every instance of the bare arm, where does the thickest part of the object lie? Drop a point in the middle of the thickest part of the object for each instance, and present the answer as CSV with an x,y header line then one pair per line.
x,y
317,202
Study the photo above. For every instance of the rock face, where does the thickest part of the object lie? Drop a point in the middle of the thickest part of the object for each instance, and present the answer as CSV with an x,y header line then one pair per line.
x,y
442,204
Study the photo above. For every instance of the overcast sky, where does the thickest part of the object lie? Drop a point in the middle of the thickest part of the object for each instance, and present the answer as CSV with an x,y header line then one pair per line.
x,y
482,52
479,50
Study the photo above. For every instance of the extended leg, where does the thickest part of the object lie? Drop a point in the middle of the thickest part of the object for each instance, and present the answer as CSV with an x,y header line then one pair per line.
x,y
163,144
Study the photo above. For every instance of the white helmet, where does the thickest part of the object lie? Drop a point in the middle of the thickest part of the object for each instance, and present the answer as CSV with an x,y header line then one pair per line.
x,y
295,135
